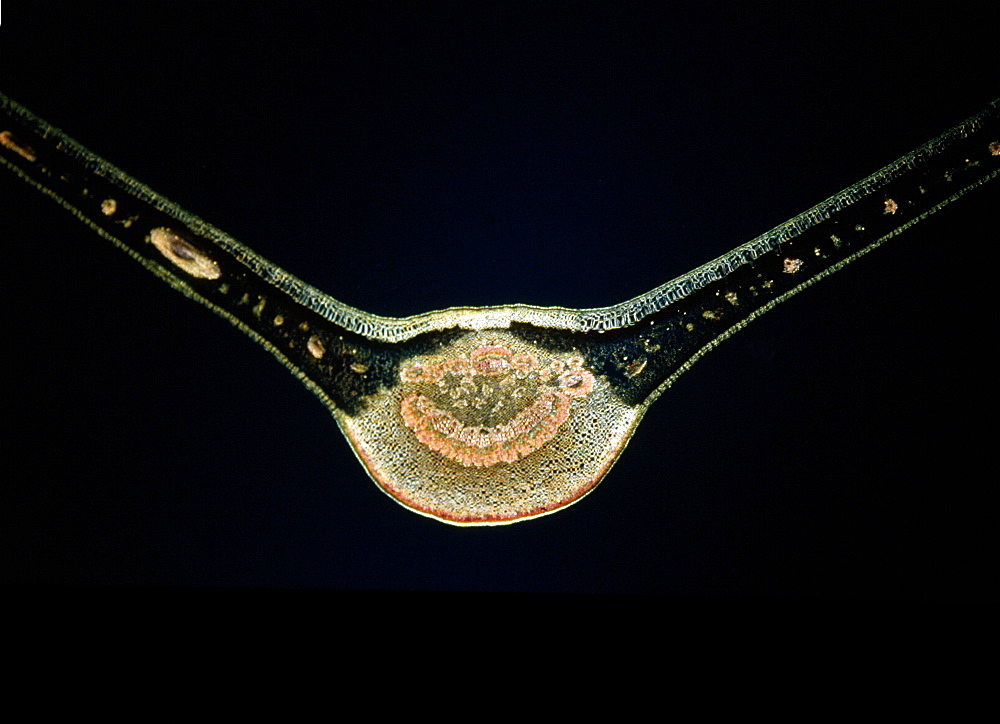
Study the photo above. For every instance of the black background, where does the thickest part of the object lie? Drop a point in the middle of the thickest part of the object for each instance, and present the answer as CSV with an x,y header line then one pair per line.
x,y
410,156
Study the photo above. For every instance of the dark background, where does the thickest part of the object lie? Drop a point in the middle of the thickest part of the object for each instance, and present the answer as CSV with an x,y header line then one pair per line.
x,y
414,156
